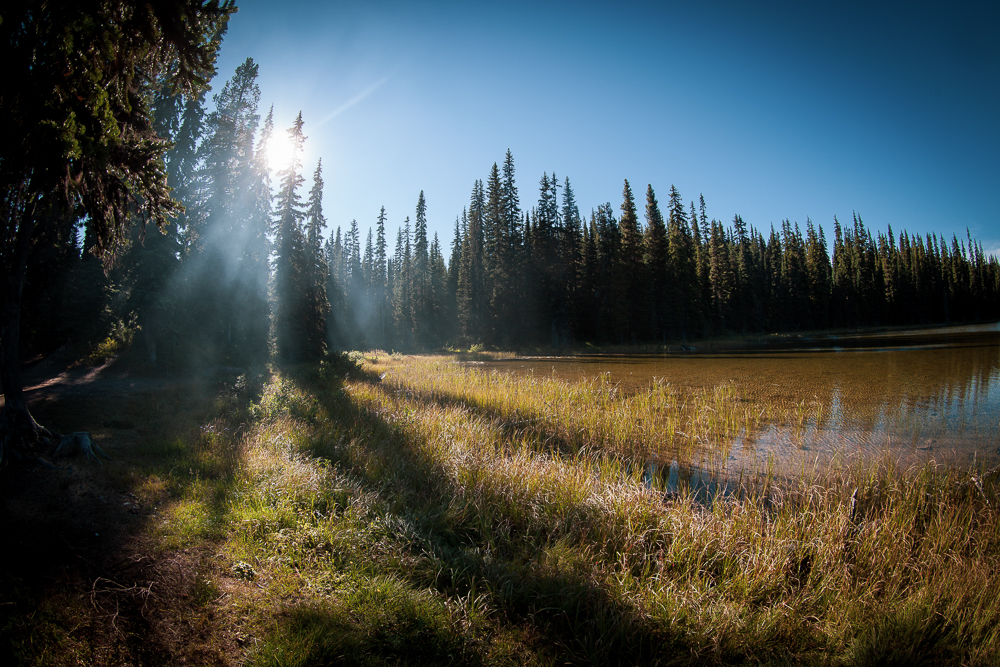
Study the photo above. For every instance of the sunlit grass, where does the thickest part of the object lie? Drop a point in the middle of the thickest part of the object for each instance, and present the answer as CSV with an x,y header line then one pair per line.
x,y
549,528
590,417
390,509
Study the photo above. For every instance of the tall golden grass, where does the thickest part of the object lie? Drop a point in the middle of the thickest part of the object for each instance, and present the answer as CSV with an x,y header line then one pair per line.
x,y
512,519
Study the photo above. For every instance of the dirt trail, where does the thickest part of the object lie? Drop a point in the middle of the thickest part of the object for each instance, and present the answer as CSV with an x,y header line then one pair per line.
x,y
53,379
78,568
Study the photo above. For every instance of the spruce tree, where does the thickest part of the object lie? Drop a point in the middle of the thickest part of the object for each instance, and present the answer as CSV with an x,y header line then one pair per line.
x,y
657,267
380,281
569,260
699,238
511,255
354,279
151,260
818,273
795,297
633,273
682,267
743,295
610,301
546,291
402,303
291,277
474,295
420,276
336,324
498,258
317,304
722,277
773,295
367,268
253,310
221,237
438,309
585,326
454,269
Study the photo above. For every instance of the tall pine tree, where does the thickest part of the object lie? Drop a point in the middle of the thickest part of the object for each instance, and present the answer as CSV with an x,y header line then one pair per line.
x,y
317,305
291,269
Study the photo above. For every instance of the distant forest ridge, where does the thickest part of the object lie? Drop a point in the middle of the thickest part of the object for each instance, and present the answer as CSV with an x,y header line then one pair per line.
x,y
244,273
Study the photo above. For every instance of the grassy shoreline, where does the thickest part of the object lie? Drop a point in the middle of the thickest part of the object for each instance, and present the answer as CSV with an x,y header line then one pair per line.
x,y
387,508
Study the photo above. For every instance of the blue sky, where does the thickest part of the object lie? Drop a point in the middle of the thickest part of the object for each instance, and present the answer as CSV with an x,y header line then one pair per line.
x,y
772,110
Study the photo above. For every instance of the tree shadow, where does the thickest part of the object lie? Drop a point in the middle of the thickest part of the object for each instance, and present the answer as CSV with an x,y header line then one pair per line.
x,y
81,577
517,426
466,549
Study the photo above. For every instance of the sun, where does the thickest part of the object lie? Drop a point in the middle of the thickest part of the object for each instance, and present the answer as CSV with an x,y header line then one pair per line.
x,y
280,151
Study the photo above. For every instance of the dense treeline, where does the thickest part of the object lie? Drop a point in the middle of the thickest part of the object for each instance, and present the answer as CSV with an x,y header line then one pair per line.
x,y
548,276
244,272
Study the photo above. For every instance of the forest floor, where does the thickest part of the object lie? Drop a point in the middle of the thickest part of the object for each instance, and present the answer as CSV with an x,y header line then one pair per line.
x,y
82,578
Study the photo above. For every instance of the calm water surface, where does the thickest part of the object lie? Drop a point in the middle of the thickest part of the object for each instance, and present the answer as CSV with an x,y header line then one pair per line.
x,y
920,394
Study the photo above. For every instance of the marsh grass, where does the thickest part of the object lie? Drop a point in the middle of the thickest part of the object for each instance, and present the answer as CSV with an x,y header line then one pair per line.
x,y
596,416
409,510
482,518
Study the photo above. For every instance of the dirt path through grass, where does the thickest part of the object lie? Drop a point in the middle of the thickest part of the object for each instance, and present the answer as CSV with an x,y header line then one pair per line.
x,y
81,580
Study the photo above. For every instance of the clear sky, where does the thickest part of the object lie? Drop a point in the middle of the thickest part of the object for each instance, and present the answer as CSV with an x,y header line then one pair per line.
x,y
772,110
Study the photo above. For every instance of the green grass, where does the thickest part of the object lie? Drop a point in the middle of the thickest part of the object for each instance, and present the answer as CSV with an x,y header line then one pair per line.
x,y
487,507
445,516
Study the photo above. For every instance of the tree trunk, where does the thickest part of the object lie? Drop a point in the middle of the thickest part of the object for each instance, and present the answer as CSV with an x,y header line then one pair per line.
x,y
10,325
18,428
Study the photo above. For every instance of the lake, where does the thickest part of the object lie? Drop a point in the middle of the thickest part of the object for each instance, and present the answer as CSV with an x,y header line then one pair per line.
x,y
915,394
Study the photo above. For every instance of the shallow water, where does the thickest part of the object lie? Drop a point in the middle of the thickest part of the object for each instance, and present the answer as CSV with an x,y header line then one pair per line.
x,y
918,394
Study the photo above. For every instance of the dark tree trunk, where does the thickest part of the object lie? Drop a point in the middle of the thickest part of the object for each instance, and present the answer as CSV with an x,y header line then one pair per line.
x,y
10,325
18,428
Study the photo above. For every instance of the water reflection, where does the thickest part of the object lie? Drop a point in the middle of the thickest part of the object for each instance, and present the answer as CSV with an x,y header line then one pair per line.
x,y
675,480
918,394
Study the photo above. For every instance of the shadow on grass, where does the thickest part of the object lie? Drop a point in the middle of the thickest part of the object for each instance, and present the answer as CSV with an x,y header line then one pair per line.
x,y
538,429
538,590
85,576
517,426
457,550
385,622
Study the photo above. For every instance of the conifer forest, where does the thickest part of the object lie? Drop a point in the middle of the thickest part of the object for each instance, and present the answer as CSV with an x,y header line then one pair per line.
x,y
248,250
238,432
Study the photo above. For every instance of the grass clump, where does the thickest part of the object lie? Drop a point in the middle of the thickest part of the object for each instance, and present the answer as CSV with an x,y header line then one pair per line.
x,y
375,621
595,416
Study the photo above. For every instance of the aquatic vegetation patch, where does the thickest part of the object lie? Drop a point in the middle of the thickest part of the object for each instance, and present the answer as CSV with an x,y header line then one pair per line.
x,y
483,532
